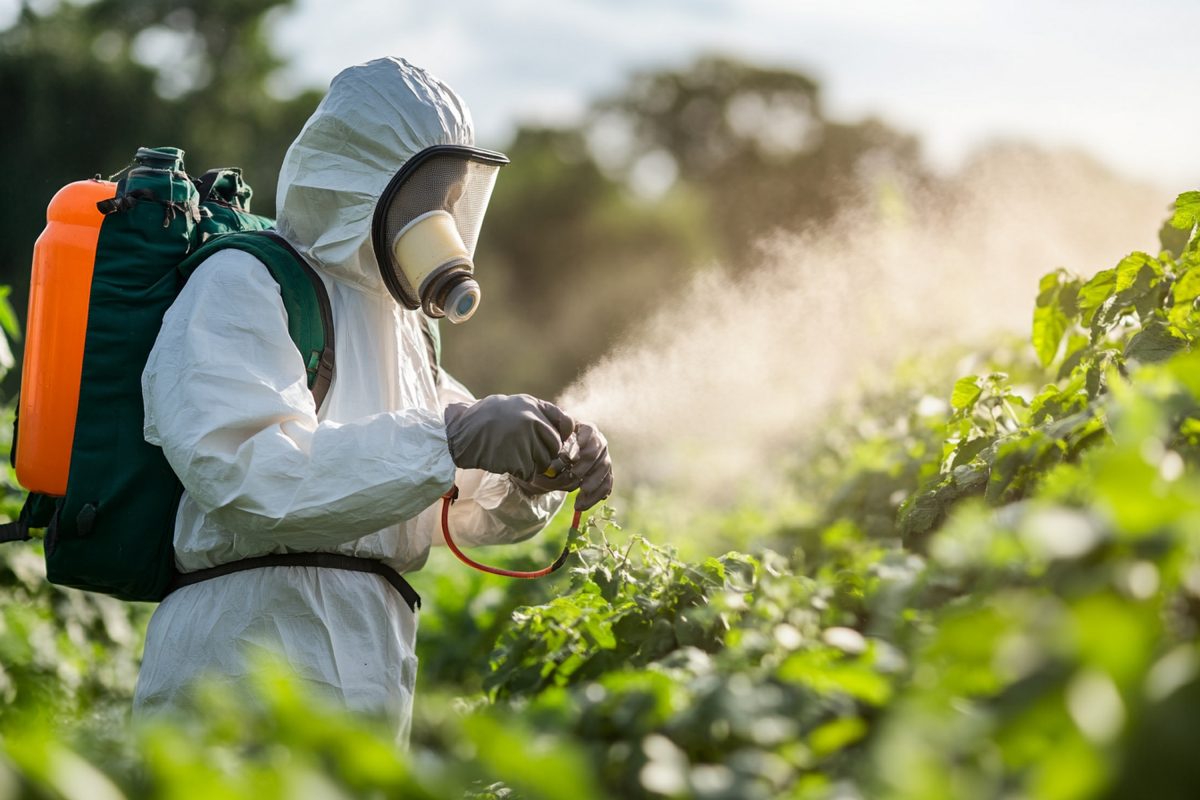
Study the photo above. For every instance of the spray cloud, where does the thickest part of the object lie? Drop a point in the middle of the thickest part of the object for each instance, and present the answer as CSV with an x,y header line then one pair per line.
x,y
703,396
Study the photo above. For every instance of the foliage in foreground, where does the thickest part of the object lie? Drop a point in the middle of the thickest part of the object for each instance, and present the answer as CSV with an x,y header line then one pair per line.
x,y
1002,600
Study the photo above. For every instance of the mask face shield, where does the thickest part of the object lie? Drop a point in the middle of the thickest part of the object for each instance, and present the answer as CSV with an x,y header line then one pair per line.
x,y
426,226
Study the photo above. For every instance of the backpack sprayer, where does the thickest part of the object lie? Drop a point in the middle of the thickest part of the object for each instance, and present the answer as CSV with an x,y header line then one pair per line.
x,y
111,530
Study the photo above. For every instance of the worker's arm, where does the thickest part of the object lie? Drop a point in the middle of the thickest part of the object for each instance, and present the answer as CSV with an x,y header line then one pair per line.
x,y
491,509
226,398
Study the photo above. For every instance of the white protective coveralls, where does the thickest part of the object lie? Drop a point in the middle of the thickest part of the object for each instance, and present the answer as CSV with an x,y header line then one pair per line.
x,y
264,471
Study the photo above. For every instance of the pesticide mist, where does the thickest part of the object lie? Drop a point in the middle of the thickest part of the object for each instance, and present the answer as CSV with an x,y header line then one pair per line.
x,y
705,397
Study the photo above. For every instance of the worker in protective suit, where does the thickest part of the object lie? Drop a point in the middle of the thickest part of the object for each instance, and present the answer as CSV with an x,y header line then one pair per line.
x,y
267,472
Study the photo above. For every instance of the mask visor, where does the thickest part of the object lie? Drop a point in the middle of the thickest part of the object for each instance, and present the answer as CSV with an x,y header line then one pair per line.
x,y
427,223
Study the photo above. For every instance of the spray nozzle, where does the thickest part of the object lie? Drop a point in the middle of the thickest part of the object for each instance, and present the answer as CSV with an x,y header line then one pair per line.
x,y
567,455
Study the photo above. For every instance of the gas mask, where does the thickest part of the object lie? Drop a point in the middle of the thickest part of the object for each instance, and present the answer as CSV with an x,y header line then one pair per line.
x,y
426,226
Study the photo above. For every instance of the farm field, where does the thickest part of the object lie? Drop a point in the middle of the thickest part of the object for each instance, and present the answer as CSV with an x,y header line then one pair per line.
x,y
984,587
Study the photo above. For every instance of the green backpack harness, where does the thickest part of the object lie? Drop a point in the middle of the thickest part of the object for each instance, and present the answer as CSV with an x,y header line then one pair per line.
x,y
113,530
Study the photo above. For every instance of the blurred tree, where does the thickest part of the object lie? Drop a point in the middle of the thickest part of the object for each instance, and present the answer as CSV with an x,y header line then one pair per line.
x,y
86,84
568,258
753,141
590,229
593,226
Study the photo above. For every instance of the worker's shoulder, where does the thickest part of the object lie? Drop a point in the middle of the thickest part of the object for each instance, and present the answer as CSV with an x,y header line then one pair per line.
x,y
233,271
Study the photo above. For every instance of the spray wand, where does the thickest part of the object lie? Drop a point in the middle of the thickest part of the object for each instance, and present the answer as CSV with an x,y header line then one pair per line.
x,y
448,499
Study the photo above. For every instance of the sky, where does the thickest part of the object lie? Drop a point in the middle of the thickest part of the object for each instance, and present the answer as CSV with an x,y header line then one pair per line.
x,y
1112,77
1109,76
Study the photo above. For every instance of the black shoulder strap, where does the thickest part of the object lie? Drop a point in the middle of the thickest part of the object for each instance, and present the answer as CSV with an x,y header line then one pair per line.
x,y
309,314
15,531
39,511
313,332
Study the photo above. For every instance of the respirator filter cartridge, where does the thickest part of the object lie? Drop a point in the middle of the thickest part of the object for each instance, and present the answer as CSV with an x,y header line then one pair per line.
x,y
438,264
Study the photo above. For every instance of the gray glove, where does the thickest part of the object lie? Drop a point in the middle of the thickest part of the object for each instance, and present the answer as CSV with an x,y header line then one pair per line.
x,y
518,434
583,463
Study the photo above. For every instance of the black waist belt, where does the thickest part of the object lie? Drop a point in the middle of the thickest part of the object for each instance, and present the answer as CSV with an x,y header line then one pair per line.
x,y
323,560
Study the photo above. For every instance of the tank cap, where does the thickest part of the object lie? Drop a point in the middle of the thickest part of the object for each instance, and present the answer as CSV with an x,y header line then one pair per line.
x,y
170,158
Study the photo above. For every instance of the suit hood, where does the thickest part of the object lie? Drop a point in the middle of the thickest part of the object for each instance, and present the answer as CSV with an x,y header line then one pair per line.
x,y
375,117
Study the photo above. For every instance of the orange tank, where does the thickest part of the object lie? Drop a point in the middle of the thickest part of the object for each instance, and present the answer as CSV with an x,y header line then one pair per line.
x,y
63,258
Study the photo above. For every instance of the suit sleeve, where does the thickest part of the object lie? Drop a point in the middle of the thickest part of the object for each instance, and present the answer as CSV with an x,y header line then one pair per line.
x,y
491,509
226,398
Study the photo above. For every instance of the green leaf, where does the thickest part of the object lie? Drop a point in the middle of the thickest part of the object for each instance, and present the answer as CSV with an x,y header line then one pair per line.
x,y
926,510
966,451
1076,349
1131,267
826,672
1154,343
966,393
1046,402
1187,211
1049,325
836,735
1094,294
8,317
1018,464
1183,295
1186,370
552,768
1150,302
1068,297
1047,285
1173,240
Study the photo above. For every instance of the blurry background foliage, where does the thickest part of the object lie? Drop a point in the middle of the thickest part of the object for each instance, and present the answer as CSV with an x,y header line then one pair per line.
x,y
588,229
986,587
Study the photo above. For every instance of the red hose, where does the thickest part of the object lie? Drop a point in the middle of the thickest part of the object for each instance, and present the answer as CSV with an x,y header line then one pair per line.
x,y
451,496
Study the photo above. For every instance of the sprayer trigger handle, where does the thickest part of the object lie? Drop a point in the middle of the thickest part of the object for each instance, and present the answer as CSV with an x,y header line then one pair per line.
x,y
565,458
